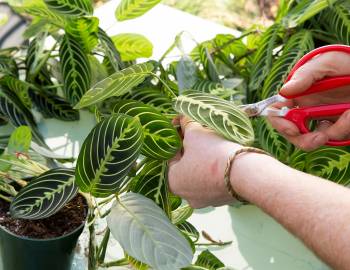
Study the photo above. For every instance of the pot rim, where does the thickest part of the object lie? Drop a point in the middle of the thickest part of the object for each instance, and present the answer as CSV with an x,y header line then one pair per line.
x,y
49,239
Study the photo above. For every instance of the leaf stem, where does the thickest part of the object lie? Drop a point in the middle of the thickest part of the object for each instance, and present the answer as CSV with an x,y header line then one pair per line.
x,y
120,262
214,244
170,92
101,251
5,198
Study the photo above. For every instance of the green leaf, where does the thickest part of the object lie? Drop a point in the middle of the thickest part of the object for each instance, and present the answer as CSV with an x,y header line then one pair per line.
x,y
132,46
188,229
296,47
84,30
218,114
53,106
271,141
45,195
107,155
70,7
327,162
3,19
152,182
19,141
336,20
186,73
36,8
208,260
18,115
116,85
181,214
130,9
8,66
135,264
18,87
37,26
98,70
161,139
135,219
305,10
110,51
262,61
75,69
206,86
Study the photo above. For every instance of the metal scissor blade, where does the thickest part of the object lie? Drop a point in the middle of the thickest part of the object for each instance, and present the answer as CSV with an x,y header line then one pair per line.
x,y
255,109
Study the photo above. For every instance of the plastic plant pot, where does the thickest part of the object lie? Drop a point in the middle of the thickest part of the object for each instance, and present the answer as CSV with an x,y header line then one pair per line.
x,y
23,253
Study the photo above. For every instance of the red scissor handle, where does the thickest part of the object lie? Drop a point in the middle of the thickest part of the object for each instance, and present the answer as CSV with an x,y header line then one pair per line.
x,y
302,116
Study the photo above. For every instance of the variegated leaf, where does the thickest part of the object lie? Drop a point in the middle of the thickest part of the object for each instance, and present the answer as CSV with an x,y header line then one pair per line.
x,y
208,260
161,139
70,7
116,85
75,69
132,46
53,106
45,195
135,219
8,66
188,229
107,155
218,114
19,87
181,214
152,182
130,9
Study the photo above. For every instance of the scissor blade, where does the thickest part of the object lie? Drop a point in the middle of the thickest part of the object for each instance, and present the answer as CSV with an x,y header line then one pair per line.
x,y
255,109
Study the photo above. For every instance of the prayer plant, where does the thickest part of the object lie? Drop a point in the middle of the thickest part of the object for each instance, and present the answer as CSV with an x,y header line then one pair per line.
x,y
69,64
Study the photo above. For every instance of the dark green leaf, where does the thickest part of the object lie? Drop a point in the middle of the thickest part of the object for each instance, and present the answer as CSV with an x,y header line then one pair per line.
x,y
75,70
45,195
130,9
152,182
107,155
18,87
8,66
161,139
116,85
188,229
208,260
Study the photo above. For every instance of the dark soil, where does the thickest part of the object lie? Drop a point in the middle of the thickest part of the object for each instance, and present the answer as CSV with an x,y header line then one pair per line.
x,y
71,216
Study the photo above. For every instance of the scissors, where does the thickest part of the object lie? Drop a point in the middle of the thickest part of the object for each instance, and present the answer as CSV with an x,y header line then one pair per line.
x,y
301,116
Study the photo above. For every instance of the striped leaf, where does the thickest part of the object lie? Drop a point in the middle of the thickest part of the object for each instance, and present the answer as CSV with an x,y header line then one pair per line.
x,y
188,229
208,260
132,46
298,45
53,106
206,86
45,195
305,10
152,182
36,8
19,87
116,85
75,69
161,139
130,9
18,115
181,214
327,162
336,20
85,31
70,7
112,56
135,219
271,141
218,114
8,66
262,61
107,155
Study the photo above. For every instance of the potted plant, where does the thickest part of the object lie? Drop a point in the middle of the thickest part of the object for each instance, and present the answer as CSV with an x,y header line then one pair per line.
x,y
71,64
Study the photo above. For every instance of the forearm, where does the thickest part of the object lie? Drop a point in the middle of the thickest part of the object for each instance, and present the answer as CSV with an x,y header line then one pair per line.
x,y
315,210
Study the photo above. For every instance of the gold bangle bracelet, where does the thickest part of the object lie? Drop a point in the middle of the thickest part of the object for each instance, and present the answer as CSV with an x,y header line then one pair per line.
x,y
230,161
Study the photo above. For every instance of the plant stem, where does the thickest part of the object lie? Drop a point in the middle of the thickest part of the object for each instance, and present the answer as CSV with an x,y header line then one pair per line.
x,y
92,258
5,198
170,92
120,262
214,244
223,46
101,251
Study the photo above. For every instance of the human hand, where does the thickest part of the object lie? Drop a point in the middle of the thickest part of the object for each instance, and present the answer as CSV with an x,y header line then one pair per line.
x,y
329,64
197,172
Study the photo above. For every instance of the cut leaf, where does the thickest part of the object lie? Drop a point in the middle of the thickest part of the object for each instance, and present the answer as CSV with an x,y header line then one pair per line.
x,y
146,233
75,69
107,155
130,9
161,139
116,85
132,46
218,114
45,195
